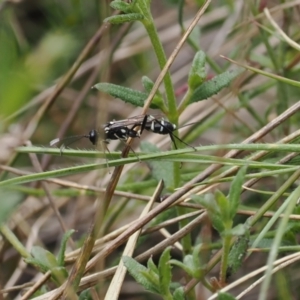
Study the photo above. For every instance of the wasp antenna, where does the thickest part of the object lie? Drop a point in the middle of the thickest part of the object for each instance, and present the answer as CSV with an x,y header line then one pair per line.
x,y
173,140
189,124
183,142
69,140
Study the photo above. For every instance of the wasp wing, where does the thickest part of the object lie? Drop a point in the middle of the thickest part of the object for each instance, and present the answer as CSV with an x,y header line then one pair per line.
x,y
134,121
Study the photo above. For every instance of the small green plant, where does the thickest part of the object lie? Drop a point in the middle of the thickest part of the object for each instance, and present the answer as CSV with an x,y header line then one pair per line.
x,y
156,279
222,210
45,261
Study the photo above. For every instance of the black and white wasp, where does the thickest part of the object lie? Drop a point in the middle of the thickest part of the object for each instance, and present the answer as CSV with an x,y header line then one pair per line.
x,y
124,129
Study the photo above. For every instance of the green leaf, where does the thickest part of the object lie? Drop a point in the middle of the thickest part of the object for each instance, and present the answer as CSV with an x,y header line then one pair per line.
x,y
223,205
237,254
151,266
8,203
165,274
153,280
46,261
238,230
43,258
85,295
293,226
213,210
213,86
148,84
183,265
121,5
179,294
40,292
132,265
196,252
158,98
197,73
217,223
160,169
140,274
120,19
197,261
61,253
265,243
36,263
225,296
189,262
59,275
128,95
174,286
236,190
208,202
